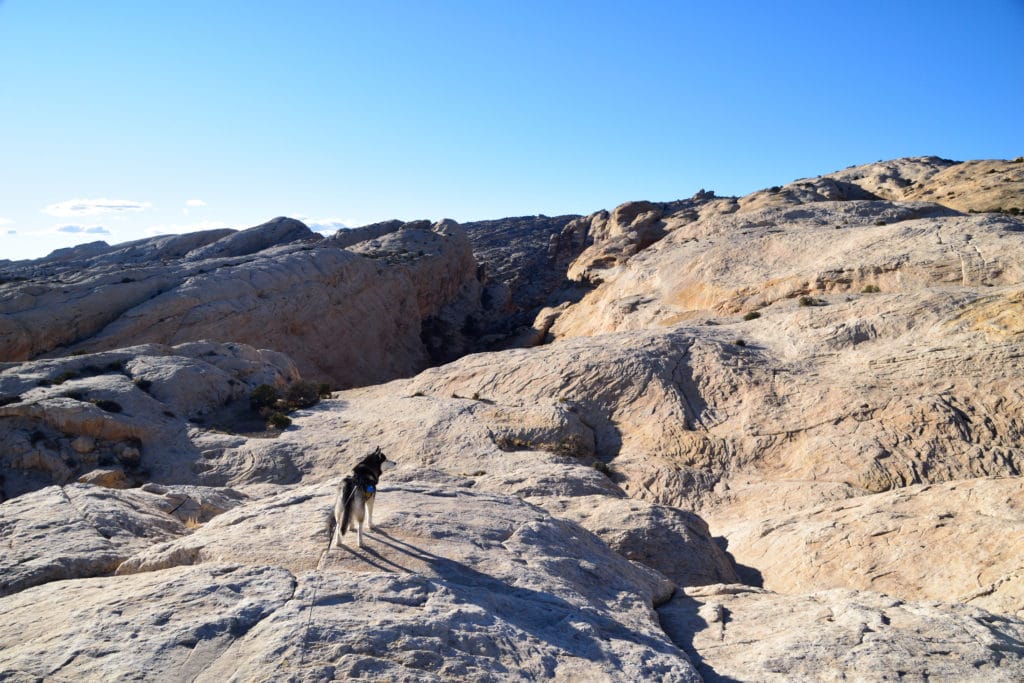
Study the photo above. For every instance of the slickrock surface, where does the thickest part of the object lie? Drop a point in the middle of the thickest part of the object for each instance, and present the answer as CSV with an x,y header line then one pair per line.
x,y
774,437
739,633
123,411
962,541
453,584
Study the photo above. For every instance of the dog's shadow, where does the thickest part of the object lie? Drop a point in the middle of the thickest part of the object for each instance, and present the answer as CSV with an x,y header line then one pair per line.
x,y
543,615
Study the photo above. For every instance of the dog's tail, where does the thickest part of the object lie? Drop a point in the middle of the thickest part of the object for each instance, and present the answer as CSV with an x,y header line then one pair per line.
x,y
348,490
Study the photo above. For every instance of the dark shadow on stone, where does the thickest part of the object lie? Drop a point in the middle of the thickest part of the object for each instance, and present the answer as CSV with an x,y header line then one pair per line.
x,y
750,576
680,619
556,624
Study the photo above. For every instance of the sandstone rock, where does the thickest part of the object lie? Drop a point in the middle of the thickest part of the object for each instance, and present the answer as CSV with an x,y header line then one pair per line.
x,y
113,478
124,407
73,532
959,541
452,583
281,230
241,288
163,626
744,633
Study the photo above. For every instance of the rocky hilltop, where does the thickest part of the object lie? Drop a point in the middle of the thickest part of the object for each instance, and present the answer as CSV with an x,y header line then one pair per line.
x,y
771,437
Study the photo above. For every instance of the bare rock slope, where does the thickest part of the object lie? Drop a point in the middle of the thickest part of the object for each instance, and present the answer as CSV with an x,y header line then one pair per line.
x,y
346,316
774,437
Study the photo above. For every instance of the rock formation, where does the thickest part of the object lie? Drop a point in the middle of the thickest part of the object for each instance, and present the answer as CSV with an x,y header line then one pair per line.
x,y
772,437
268,286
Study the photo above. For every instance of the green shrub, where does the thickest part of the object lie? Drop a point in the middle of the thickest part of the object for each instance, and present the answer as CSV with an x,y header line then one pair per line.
x,y
279,421
263,396
323,390
301,394
870,289
807,301
752,315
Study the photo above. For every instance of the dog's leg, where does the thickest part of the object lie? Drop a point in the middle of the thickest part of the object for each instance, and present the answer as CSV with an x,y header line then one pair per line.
x,y
359,533
369,513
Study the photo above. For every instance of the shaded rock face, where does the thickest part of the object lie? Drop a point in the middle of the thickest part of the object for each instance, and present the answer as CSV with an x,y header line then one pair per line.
x,y
343,317
524,261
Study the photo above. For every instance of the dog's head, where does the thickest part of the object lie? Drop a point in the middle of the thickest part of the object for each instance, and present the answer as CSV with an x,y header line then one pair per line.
x,y
378,461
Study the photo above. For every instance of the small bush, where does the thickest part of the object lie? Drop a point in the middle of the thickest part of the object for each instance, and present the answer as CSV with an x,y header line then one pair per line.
x,y
279,421
323,390
880,222
739,342
752,315
301,394
143,384
65,376
870,289
263,396
603,468
807,301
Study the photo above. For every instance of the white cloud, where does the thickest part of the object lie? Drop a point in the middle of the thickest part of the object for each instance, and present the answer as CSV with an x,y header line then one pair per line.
x,y
83,229
195,203
94,207
5,221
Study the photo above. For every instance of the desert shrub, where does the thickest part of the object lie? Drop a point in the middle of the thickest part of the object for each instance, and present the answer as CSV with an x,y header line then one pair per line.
x,y
603,468
807,301
263,396
323,390
278,421
107,405
752,315
143,384
301,394
880,222
739,342
870,289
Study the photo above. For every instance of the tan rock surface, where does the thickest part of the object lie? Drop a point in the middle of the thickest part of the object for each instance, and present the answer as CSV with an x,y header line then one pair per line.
x,y
747,634
960,542
453,584
75,531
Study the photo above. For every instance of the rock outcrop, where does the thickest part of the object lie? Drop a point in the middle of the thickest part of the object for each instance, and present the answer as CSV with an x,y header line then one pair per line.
x,y
345,316
774,437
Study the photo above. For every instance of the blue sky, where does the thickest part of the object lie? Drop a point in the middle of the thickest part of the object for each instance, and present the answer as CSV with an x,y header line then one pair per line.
x,y
120,120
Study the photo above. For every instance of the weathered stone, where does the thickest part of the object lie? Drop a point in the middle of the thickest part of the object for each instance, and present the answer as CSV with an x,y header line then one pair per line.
x,y
744,633
75,531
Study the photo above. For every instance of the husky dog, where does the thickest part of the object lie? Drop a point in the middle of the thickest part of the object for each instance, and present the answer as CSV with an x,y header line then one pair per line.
x,y
355,496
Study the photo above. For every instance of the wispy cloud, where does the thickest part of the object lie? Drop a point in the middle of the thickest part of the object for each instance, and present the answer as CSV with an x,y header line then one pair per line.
x,y
195,203
94,207
83,229
5,221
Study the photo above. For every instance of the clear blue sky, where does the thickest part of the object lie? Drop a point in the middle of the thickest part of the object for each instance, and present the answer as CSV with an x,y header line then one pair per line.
x,y
119,120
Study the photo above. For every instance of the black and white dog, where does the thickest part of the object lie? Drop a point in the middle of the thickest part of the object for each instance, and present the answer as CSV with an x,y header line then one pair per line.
x,y
355,496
